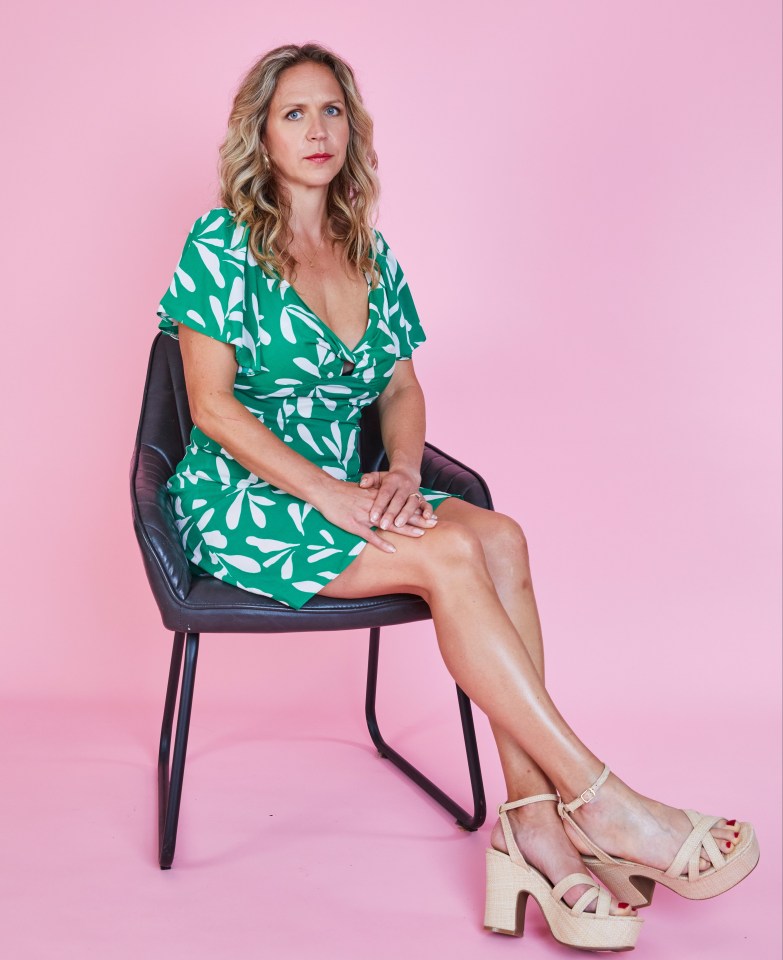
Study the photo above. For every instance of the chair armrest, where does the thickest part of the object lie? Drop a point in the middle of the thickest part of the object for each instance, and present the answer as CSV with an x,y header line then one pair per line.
x,y
155,525
441,471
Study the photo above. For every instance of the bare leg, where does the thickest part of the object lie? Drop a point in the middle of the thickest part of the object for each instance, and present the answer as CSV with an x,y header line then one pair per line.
x,y
482,651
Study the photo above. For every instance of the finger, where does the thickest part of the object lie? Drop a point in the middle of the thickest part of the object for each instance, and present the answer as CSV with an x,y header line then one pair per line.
x,y
380,504
378,541
426,509
408,530
399,509
370,480
418,520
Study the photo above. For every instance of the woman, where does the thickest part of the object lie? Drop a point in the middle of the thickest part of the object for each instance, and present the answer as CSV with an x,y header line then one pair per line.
x,y
293,314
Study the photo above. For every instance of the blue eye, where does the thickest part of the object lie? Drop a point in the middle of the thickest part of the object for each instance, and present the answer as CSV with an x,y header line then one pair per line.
x,y
292,111
334,108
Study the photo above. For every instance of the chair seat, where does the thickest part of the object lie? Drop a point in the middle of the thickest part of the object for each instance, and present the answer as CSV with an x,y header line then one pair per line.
x,y
212,606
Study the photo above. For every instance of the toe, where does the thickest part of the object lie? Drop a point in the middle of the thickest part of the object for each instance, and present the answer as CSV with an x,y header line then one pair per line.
x,y
621,909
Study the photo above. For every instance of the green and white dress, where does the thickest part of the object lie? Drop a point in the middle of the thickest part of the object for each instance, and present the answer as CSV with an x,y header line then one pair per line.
x,y
234,524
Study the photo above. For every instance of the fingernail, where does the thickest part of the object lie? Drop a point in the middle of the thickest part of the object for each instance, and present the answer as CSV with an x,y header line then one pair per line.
x,y
392,549
384,523
374,517
730,823
622,906
399,522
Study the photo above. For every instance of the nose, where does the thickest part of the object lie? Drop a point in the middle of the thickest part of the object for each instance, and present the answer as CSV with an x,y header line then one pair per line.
x,y
317,129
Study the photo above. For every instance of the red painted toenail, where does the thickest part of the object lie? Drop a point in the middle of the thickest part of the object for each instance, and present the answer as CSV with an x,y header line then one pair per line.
x,y
728,844
623,906
736,834
730,823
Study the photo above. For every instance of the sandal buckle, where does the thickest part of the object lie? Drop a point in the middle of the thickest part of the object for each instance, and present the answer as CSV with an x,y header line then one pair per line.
x,y
587,795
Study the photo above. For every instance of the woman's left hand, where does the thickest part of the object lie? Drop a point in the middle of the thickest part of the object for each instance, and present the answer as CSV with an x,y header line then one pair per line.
x,y
394,504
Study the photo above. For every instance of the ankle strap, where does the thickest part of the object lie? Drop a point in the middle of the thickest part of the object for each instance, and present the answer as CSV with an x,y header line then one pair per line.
x,y
520,803
586,796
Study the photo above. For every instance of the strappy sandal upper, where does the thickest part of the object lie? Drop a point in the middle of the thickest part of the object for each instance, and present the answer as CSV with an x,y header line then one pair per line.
x,y
511,879
616,873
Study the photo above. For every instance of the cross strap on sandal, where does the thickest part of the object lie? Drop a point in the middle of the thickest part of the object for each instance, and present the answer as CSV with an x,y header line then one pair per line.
x,y
634,883
511,879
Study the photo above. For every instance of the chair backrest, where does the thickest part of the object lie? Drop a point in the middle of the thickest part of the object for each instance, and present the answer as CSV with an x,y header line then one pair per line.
x,y
163,433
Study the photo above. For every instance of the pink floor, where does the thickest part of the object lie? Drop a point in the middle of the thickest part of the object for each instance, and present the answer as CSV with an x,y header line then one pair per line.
x,y
297,840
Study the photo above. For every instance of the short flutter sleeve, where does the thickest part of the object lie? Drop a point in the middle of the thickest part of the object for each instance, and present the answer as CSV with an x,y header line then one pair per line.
x,y
404,322
207,291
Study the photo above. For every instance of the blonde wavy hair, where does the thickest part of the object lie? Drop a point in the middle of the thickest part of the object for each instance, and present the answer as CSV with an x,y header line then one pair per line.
x,y
248,186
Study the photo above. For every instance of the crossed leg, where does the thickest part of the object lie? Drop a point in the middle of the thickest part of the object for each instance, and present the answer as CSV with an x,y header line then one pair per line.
x,y
473,571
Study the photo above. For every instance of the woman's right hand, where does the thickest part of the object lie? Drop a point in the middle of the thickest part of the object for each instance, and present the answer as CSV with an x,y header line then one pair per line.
x,y
348,506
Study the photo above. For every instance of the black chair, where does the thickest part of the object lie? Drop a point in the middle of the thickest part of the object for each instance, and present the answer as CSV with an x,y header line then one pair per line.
x,y
192,604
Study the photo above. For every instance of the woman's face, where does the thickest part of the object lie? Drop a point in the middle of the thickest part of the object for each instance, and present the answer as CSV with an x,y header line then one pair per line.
x,y
307,116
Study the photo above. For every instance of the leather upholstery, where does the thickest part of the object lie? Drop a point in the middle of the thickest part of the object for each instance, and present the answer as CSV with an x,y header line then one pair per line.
x,y
204,604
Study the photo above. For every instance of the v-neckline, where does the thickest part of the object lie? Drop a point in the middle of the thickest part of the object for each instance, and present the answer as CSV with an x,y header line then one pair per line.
x,y
326,326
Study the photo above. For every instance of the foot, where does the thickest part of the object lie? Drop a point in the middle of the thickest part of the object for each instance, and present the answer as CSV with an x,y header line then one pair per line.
x,y
539,834
628,825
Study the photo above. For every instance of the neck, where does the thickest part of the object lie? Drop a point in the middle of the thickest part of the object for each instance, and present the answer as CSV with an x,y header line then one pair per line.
x,y
308,214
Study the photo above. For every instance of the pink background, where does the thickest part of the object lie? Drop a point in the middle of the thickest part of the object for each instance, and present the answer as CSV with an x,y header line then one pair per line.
x,y
586,200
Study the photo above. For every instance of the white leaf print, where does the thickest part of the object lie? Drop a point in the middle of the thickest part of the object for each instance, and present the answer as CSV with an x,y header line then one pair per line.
x,y
321,555
217,310
234,511
257,498
237,294
263,335
199,503
248,564
326,535
195,316
205,518
306,586
222,469
285,326
295,514
337,472
304,433
349,446
215,538
335,451
307,365
274,559
287,570
304,407
211,262
267,546
212,226
258,515
185,279
196,558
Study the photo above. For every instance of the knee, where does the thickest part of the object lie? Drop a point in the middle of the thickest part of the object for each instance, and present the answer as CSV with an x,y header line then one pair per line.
x,y
508,537
454,548
506,549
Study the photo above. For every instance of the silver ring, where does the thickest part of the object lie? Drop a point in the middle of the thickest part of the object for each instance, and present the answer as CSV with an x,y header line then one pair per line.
x,y
417,495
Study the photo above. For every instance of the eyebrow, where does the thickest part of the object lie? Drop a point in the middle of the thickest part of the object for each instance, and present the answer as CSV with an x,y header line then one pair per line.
x,y
290,106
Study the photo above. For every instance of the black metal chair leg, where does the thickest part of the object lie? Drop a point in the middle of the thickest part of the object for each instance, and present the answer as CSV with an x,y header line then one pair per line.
x,y
464,819
170,786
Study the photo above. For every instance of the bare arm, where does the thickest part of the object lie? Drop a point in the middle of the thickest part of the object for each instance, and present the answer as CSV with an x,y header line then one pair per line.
x,y
402,414
210,370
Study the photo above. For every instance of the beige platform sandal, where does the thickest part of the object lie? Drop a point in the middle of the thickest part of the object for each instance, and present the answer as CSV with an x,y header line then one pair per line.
x,y
511,879
634,883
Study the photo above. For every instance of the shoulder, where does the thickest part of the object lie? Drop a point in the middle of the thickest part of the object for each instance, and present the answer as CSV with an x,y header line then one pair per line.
x,y
218,227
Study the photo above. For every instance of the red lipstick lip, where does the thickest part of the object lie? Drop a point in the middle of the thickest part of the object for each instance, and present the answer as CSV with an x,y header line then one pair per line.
x,y
315,156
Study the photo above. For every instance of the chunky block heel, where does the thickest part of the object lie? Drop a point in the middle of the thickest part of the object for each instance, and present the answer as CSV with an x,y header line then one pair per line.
x,y
506,900
511,880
